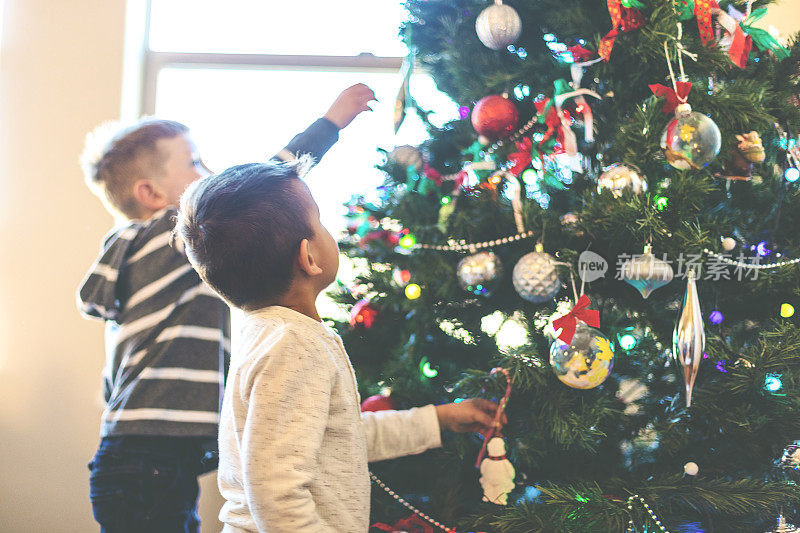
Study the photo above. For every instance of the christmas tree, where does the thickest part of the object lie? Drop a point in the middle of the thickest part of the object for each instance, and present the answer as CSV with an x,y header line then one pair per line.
x,y
612,222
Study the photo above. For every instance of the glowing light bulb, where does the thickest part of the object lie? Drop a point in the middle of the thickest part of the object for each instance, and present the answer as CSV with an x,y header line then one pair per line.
x,y
787,310
773,382
407,242
445,200
716,317
427,370
627,341
413,291
792,174
661,202
463,112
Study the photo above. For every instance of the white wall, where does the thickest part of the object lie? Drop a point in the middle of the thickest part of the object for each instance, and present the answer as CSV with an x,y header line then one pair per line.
x,y
60,75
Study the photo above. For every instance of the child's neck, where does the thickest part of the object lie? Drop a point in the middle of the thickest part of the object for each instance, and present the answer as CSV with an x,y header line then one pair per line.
x,y
302,300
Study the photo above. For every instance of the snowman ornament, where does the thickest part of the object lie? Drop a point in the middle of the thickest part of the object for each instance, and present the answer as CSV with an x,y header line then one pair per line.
x,y
497,473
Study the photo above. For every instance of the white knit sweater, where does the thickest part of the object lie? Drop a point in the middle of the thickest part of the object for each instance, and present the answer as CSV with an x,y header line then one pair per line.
x,y
293,443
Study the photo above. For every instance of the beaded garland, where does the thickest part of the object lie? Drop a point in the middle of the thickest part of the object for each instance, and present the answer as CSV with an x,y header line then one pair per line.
x,y
408,506
751,266
631,525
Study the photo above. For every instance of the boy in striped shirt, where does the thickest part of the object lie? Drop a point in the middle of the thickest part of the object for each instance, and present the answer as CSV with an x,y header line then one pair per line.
x,y
167,333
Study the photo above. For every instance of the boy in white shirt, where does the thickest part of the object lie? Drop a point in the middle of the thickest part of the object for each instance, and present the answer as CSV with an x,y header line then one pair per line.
x,y
294,445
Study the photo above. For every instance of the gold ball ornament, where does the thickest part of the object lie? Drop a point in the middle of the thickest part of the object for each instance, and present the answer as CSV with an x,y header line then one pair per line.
x,y
407,156
586,362
619,178
691,139
479,273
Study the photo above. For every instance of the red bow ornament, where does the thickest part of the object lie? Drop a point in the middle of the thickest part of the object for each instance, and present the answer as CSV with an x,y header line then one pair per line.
x,y
672,98
569,322
521,159
432,174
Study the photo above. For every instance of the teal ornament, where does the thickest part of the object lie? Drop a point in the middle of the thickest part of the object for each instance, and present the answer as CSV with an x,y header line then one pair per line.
x,y
646,272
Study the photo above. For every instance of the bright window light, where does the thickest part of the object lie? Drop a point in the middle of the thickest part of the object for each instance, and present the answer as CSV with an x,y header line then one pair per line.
x,y
292,27
243,116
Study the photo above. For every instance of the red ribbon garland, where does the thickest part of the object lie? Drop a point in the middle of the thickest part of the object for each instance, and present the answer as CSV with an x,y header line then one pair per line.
x,y
432,174
521,159
702,12
622,19
741,45
569,322
672,98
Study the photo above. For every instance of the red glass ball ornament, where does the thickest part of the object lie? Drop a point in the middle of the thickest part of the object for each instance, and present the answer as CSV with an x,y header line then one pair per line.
x,y
379,402
363,314
494,117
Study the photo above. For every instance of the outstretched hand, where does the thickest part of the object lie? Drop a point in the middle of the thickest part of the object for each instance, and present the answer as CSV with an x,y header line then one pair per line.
x,y
470,416
349,104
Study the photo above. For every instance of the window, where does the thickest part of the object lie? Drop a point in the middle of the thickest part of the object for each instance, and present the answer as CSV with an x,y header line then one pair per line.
x,y
246,75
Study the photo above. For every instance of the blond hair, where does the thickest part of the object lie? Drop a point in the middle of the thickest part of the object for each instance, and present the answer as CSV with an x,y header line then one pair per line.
x,y
117,156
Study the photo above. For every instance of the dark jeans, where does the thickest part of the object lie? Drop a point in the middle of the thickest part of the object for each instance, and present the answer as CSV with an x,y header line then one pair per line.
x,y
144,484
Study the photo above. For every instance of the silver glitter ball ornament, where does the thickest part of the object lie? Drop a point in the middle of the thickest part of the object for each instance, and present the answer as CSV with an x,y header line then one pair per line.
x,y
646,272
498,26
479,273
586,362
535,276
690,140
619,178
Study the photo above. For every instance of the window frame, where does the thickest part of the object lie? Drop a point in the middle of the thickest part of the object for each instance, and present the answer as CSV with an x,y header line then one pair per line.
x,y
153,62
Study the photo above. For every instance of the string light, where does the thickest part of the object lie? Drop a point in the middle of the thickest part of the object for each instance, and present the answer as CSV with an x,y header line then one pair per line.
x,y
787,310
408,241
427,370
792,174
413,291
773,382
661,202
627,341
716,317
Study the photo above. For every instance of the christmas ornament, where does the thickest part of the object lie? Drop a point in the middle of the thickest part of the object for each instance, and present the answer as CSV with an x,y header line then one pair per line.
x,y
379,402
498,26
363,314
584,363
646,272
691,139
619,178
689,339
403,99
747,150
728,243
580,312
495,116
479,273
691,469
783,526
407,156
535,276
497,473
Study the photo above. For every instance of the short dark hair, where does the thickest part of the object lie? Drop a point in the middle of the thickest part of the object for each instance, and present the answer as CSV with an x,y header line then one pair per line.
x,y
116,157
243,227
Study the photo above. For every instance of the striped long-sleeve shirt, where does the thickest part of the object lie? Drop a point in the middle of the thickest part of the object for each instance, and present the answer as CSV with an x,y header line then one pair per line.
x,y
167,332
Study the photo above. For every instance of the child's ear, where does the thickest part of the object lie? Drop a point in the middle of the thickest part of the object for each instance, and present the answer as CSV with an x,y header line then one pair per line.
x,y
306,261
149,195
